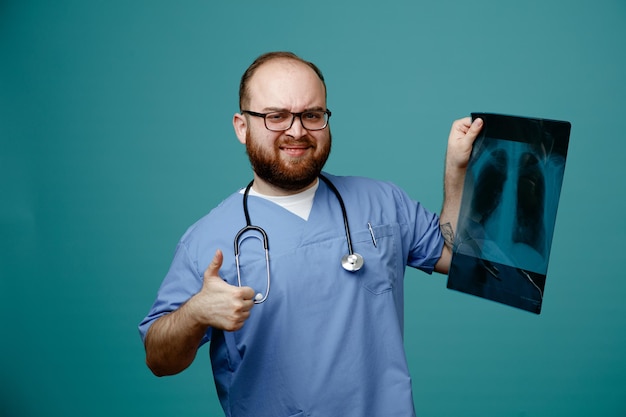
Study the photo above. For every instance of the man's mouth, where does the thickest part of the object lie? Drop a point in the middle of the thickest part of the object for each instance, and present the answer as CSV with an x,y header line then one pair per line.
x,y
295,150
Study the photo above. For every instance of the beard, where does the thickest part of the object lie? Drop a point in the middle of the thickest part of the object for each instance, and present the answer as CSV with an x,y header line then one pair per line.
x,y
291,174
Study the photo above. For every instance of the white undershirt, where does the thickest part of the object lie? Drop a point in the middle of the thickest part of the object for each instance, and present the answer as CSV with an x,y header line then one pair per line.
x,y
299,204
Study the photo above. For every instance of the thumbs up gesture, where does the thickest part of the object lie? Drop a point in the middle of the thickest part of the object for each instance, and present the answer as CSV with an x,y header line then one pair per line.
x,y
219,304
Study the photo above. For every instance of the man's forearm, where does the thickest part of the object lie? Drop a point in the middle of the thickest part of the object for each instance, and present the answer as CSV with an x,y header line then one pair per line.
x,y
448,219
453,192
172,341
460,142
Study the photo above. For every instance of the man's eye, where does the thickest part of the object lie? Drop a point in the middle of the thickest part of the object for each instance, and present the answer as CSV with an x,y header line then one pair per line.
x,y
313,115
277,117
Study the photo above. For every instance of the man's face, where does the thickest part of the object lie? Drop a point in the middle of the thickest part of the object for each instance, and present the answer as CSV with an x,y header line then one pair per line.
x,y
293,159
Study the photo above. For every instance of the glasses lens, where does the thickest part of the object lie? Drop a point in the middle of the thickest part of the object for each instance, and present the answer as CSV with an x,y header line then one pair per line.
x,y
280,120
314,120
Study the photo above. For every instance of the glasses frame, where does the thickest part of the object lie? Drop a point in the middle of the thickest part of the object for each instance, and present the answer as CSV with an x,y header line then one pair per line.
x,y
327,112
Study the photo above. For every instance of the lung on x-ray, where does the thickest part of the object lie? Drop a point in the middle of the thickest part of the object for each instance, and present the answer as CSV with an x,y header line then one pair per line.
x,y
508,210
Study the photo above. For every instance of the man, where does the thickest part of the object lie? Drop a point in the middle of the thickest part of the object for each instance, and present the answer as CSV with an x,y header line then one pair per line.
x,y
325,341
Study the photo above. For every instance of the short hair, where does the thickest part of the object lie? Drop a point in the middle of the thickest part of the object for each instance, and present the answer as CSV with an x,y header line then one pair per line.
x,y
270,56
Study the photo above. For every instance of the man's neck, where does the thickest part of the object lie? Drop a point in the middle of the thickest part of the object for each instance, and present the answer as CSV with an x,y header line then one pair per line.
x,y
265,188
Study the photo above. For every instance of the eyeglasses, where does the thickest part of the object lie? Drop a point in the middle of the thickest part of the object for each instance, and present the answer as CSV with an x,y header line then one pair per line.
x,y
279,121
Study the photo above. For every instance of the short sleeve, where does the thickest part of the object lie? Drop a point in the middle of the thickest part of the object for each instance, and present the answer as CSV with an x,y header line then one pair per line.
x,y
182,281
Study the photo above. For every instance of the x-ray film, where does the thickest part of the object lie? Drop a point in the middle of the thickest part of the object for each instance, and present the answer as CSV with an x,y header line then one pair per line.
x,y
508,210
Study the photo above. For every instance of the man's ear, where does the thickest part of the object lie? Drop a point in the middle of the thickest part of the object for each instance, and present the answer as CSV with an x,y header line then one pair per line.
x,y
240,123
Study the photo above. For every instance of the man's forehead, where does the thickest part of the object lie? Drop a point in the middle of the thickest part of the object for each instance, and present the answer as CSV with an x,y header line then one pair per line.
x,y
284,78
282,69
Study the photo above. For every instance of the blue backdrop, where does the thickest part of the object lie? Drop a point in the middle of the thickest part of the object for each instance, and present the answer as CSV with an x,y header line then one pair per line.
x,y
115,135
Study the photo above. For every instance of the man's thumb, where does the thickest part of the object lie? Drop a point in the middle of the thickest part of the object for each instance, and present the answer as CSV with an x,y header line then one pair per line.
x,y
214,267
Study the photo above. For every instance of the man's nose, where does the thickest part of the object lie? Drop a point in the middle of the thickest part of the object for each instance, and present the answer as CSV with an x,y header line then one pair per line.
x,y
297,129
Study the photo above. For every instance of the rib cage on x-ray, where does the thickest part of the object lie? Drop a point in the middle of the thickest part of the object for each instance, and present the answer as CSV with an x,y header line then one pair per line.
x,y
508,177
511,204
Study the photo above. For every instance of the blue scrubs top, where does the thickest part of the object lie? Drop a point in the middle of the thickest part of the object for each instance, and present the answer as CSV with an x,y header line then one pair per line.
x,y
327,342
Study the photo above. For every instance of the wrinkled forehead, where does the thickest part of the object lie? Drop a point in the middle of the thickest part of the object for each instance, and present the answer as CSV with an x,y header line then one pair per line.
x,y
286,84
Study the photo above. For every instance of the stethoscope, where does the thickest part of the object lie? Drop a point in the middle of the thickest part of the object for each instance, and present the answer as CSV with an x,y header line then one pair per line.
x,y
352,261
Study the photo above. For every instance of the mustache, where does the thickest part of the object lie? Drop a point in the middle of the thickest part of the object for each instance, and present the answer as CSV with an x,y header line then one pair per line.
x,y
305,140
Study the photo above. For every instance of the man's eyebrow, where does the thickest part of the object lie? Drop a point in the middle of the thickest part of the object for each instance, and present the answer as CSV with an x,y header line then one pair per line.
x,y
280,109
273,109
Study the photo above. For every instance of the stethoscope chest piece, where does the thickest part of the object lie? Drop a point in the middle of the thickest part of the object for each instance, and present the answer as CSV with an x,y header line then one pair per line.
x,y
352,262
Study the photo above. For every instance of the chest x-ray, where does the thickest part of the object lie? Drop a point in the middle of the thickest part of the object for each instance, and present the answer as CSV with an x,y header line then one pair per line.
x,y
508,210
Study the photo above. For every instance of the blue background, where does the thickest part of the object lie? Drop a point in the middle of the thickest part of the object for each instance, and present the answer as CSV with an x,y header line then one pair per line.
x,y
115,135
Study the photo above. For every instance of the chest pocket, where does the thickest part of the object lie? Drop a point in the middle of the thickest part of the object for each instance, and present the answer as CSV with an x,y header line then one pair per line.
x,y
382,257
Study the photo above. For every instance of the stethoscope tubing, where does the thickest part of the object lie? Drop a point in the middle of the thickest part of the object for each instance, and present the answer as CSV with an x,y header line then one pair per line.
x,y
346,226
351,262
